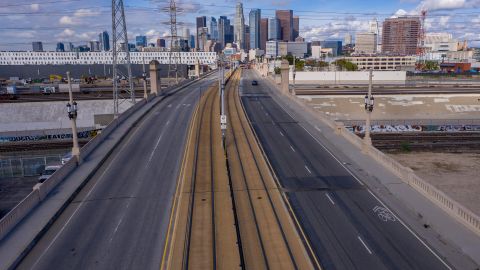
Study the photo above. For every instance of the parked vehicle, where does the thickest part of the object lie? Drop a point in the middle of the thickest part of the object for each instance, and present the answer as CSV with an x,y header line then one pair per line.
x,y
49,171
66,157
48,90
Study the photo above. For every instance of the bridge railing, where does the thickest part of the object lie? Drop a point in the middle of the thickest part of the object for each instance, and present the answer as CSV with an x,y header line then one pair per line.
x,y
407,175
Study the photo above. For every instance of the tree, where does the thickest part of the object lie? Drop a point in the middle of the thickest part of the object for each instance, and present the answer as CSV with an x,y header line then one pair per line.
x,y
431,65
299,65
277,70
346,65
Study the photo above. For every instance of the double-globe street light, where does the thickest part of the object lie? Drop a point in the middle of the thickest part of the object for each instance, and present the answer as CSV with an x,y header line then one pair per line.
x,y
369,104
72,111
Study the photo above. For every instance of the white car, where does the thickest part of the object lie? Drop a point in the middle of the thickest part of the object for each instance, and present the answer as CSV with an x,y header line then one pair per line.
x,y
49,170
66,158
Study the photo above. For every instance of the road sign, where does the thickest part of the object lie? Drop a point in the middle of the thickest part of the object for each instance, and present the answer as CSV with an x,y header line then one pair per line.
x,y
223,119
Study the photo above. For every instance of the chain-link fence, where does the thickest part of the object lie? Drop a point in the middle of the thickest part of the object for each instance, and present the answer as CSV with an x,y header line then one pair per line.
x,y
23,166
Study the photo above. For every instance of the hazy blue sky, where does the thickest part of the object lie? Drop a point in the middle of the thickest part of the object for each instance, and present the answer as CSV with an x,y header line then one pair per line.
x,y
79,21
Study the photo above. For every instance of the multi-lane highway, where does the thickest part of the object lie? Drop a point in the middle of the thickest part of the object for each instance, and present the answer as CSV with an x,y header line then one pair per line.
x,y
347,226
119,219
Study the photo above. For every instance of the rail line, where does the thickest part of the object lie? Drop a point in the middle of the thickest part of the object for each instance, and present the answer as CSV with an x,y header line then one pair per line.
x,y
269,240
230,213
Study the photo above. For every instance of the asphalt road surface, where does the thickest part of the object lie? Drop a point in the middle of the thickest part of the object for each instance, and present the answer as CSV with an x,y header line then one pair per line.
x,y
120,218
345,223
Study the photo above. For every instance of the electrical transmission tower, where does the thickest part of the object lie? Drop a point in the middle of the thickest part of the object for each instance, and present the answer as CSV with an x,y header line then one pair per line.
x,y
122,69
174,55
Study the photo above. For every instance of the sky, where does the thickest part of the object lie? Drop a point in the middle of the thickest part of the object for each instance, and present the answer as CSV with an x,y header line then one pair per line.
x,y
80,21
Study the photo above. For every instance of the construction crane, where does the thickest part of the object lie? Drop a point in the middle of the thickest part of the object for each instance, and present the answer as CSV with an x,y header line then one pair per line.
x,y
421,41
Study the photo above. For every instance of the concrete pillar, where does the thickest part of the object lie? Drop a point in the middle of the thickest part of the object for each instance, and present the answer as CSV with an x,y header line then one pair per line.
x,y
155,82
197,69
284,70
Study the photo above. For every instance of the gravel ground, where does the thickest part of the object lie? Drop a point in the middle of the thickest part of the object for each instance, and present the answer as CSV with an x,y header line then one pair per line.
x,y
13,190
456,174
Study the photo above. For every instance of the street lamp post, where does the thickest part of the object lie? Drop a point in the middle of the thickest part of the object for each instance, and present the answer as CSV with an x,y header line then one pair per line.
x,y
223,117
72,114
369,104
144,77
294,73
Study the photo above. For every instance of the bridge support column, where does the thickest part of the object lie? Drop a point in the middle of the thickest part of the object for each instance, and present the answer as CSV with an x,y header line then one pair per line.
x,y
155,81
285,69
197,69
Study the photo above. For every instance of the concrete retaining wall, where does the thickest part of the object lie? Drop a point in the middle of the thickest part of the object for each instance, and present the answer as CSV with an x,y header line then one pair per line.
x,y
453,208
349,77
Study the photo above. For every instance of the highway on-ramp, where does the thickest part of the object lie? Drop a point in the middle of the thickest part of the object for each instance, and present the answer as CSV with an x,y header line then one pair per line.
x,y
347,226
120,218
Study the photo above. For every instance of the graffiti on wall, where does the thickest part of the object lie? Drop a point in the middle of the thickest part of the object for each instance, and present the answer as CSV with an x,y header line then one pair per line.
x,y
45,137
416,128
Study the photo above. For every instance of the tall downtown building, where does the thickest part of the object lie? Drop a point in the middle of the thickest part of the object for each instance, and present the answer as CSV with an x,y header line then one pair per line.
x,y
254,23
286,24
400,35
225,31
274,29
263,33
239,29
104,41
201,23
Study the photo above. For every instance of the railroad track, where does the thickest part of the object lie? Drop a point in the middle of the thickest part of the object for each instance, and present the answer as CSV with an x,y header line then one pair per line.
x,y
228,212
269,239
204,235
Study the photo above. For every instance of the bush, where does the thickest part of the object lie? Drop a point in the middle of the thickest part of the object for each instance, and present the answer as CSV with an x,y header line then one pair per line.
x,y
277,70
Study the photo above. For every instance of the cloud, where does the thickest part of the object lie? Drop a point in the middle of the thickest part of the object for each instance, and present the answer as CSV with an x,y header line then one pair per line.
x,y
35,7
78,15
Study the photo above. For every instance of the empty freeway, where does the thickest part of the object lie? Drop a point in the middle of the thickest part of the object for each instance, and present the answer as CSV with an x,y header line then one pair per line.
x,y
348,227
119,219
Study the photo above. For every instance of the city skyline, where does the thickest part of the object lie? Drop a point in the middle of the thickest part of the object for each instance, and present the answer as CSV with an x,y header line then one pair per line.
x,y
81,21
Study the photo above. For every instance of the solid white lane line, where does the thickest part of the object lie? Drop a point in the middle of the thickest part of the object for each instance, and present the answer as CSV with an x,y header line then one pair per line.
x,y
308,169
292,149
365,245
281,134
383,204
330,199
168,122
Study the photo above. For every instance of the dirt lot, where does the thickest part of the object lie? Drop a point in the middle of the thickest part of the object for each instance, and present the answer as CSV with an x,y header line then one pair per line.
x,y
456,174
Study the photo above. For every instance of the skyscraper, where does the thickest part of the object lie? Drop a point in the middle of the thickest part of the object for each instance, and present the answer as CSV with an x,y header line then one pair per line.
x,y
366,43
104,41
263,33
400,35
201,22
212,26
296,27
254,23
274,29
239,35
247,38
286,24
141,41
161,43
60,47
348,39
37,46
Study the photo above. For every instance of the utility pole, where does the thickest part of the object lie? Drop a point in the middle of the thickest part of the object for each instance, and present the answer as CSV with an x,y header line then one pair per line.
x,y
121,55
144,77
72,114
223,117
369,104
294,73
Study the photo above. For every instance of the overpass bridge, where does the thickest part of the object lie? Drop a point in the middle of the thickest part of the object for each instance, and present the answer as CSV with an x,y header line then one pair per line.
x,y
156,189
